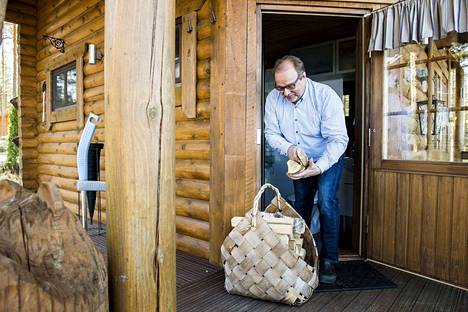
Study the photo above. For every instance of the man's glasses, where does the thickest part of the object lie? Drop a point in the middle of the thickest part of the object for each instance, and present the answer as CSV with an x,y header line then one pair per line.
x,y
290,86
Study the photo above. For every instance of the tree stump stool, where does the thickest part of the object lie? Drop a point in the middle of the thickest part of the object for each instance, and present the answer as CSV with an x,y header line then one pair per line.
x,y
47,260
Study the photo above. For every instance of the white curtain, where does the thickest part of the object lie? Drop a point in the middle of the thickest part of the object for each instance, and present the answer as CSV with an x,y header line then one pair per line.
x,y
414,21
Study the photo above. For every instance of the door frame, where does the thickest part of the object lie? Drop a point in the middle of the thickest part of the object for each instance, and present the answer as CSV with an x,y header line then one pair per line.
x,y
255,94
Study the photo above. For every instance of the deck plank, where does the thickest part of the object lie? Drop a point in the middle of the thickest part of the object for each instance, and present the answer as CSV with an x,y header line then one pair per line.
x,y
200,287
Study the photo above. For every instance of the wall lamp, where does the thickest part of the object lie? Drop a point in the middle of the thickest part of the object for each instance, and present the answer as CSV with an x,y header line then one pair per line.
x,y
94,54
57,43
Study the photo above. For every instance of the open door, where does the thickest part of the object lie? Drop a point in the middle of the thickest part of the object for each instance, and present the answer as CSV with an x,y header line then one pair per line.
x,y
335,58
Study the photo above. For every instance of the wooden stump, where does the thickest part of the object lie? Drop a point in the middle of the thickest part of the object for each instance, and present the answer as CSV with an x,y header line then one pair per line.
x,y
47,260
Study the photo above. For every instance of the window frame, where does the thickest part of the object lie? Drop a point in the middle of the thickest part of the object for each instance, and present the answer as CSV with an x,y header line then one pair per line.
x,y
70,112
56,72
376,116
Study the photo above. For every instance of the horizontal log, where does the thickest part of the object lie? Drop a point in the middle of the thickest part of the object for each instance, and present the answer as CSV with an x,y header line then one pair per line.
x,y
63,183
72,197
27,134
89,29
57,159
196,189
20,18
94,94
89,69
203,69
203,89
28,71
29,153
27,121
27,101
27,30
58,148
43,59
193,246
51,10
64,160
19,7
65,126
60,171
47,7
192,169
27,111
193,208
28,50
193,130
94,80
204,49
29,184
192,227
96,107
204,29
73,19
72,136
73,207
193,149
203,111
25,143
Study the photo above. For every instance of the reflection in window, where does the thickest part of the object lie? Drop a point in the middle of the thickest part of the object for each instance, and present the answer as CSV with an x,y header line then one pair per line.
x,y
425,110
64,86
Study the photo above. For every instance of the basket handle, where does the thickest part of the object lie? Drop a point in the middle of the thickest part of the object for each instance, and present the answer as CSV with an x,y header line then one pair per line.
x,y
258,198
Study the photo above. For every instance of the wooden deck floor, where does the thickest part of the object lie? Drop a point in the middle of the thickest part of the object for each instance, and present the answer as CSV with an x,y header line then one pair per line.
x,y
200,288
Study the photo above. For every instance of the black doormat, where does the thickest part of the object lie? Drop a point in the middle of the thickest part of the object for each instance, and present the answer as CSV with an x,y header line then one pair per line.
x,y
357,275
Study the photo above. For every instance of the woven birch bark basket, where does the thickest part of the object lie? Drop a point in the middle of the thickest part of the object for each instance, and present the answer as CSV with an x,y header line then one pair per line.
x,y
258,264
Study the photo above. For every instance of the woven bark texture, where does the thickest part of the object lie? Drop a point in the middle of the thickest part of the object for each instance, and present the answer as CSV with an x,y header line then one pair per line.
x,y
47,260
258,265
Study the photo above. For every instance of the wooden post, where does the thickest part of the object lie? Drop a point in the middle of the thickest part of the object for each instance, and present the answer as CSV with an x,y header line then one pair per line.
x,y
140,154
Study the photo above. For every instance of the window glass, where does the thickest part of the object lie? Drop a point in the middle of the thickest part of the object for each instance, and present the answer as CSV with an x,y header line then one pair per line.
x,y
414,127
64,86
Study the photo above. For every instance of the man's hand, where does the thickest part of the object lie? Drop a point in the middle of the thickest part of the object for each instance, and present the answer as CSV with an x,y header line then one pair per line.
x,y
292,153
311,171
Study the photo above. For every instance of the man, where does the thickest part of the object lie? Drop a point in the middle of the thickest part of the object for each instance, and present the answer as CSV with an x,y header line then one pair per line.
x,y
303,114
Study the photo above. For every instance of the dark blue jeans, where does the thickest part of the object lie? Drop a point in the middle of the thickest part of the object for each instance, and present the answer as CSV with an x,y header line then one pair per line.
x,y
327,185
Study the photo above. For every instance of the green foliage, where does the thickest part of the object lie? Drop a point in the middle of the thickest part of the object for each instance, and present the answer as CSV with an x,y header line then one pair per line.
x,y
12,150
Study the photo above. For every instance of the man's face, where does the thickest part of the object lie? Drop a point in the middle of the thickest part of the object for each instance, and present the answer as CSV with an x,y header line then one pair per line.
x,y
289,83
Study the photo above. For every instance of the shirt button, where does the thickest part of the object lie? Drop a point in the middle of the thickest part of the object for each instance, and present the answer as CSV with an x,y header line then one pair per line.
x,y
297,131
295,119
298,143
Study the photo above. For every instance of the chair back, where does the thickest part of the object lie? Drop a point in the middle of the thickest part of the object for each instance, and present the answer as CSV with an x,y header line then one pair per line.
x,y
83,146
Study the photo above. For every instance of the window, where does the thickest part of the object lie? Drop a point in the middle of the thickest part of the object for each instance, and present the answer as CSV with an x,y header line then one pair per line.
x,y
425,103
64,86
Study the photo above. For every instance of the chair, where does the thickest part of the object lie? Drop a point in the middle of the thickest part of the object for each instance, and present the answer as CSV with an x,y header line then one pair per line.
x,y
84,185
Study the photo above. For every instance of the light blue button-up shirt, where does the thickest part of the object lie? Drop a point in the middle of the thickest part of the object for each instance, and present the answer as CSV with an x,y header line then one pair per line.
x,y
316,124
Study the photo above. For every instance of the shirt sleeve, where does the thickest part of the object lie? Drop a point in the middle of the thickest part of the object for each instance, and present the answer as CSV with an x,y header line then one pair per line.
x,y
273,133
333,129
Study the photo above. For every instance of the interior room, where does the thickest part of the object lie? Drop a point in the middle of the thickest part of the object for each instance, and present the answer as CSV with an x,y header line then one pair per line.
x,y
327,46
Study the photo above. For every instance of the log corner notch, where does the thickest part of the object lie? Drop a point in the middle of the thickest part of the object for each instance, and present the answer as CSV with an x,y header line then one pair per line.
x,y
140,103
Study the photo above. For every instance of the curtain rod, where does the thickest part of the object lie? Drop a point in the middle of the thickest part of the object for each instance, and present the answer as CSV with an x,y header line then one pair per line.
x,y
386,7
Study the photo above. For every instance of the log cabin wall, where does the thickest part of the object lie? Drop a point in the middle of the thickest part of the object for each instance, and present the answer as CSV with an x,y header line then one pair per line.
x,y
50,154
23,13
193,142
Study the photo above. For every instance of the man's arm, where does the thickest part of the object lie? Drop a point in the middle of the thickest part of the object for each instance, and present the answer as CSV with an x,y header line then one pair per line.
x,y
333,128
273,133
